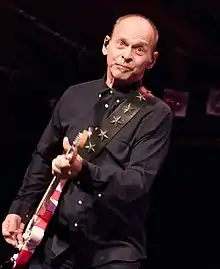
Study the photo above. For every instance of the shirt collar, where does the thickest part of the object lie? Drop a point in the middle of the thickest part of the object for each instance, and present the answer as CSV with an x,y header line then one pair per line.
x,y
127,88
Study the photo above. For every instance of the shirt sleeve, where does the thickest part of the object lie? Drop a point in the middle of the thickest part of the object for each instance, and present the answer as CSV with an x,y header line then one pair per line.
x,y
147,156
38,174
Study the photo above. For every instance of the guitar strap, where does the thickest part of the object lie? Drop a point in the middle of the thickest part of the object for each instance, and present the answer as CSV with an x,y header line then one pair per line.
x,y
110,126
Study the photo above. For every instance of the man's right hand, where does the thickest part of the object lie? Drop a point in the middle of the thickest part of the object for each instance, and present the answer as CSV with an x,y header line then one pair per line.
x,y
12,229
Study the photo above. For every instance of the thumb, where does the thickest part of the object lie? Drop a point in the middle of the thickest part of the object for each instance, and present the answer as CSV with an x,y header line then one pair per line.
x,y
66,144
12,225
19,232
5,231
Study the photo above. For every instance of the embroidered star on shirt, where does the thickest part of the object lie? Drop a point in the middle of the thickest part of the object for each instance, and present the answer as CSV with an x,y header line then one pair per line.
x,y
128,108
90,147
103,134
141,97
116,121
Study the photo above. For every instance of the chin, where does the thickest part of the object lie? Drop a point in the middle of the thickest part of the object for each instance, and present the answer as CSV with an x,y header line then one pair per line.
x,y
120,75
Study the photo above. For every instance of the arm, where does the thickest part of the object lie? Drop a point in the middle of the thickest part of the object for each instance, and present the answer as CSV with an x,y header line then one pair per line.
x,y
146,159
38,173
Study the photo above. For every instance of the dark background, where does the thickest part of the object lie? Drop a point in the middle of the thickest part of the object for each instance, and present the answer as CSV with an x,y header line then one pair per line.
x,y
46,46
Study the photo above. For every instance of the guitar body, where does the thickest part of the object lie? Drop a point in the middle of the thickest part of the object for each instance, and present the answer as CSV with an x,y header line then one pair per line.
x,y
40,223
36,227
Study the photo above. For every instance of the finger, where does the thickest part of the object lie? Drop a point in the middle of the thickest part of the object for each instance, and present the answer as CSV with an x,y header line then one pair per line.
x,y
9,226
66,144
22,226
12,226
62,162
20,232
71,156
5,231
11,238
20,237
55,170
11,241
77,164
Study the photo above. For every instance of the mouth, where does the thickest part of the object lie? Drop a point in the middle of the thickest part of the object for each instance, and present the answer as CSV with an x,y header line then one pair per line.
x,y
123,68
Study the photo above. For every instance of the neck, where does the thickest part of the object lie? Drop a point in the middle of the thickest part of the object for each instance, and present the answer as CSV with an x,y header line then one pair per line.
x,y
111,82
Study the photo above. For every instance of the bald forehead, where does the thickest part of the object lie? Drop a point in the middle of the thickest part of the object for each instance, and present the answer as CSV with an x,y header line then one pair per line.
x,y
137,25
137,29
135,22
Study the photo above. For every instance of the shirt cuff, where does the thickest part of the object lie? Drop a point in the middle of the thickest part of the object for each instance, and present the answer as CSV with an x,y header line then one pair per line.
x,y
22,209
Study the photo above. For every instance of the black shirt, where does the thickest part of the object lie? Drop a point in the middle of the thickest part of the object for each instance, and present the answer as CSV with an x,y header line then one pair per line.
x,y
107,202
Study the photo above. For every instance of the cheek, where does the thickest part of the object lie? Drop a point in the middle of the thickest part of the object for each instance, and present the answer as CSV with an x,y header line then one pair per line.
x,y
139,66
112,57
142,64
109,59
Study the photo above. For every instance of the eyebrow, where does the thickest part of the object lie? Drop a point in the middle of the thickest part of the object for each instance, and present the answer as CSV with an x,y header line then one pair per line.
x,y
140,43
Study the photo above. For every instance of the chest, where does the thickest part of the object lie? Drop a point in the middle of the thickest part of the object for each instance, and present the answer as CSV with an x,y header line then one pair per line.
x,y
119,148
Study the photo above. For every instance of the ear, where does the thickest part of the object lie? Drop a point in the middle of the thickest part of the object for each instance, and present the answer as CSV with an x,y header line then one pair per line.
x,y
105,45
154,59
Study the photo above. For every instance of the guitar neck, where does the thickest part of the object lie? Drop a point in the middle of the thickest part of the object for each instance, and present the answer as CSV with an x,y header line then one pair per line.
x,y
51,188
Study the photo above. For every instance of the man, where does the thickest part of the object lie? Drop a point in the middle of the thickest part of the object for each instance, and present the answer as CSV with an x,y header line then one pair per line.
x,y
100,219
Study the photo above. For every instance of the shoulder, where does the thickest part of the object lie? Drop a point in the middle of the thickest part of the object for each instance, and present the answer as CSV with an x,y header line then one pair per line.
x,y
160,107
78,92
157,108
80,88
156,113
154,105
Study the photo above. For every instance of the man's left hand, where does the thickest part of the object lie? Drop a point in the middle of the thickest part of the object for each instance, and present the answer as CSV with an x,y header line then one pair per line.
x,y
67,165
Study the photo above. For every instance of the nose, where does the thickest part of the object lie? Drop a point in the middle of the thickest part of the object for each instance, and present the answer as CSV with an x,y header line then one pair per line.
x,y
127,54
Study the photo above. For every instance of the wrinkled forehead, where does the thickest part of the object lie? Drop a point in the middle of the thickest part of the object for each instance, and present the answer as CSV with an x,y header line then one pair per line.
x,y
134,28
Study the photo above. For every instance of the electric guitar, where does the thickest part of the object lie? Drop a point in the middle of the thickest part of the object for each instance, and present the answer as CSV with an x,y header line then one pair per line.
x,y
37,225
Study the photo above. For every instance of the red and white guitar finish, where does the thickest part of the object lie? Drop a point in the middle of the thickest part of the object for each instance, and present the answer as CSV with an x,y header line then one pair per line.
x,y
36,227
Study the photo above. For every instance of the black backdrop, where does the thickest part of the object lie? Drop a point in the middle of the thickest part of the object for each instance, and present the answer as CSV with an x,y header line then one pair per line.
x,y
183,222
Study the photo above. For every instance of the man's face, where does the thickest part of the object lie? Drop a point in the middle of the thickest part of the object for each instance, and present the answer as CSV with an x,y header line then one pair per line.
x,y
129,51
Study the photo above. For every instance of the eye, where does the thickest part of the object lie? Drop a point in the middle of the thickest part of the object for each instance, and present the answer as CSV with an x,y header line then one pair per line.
x,y
140,50
121,43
